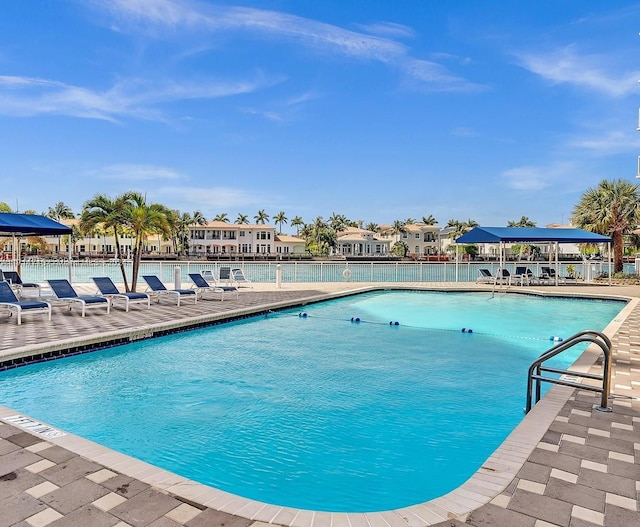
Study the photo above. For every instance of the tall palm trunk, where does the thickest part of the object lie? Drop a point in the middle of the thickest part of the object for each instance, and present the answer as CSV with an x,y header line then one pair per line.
x,y
120,260
618,249
137,257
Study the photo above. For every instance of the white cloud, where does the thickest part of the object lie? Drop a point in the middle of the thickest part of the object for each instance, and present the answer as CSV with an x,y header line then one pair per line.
x,y
538,177
132,172
137,98
165,17
387,29
593,72
611,142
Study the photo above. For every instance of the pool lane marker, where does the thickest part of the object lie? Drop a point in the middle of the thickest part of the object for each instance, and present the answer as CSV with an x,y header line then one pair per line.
x,y
33,426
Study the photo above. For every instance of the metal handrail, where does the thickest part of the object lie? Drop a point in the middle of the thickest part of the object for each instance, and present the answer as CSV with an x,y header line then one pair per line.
x,y
536,369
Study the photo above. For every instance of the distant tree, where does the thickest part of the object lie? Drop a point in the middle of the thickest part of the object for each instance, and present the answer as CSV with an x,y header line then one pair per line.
x,y
337,222
409,221
429,220
197,218
4,207
279,219
145,219
261,217
107,213
610,208
242,219
29,211
373,227
223,216
400,248
60,211
297,223
398,228
522,222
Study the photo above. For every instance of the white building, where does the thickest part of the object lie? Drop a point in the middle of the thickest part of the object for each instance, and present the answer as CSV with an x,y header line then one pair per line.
x,y
353,241
422,240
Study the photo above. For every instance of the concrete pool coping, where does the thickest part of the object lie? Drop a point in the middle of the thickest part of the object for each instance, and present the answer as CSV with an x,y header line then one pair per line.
x,y
484,487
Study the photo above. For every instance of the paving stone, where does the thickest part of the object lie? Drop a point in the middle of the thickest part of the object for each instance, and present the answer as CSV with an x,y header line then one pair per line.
x,y
619,517
7,446
534,472
164,522
491,515
450,523
23,439
74,495
598,455
607,482
552,438
625,470
606,443
555,460
18,507
18,459
568,428
124,485
57,454
87,516
579,522
543,507
576,494
13,483
211,518
145,507
69,471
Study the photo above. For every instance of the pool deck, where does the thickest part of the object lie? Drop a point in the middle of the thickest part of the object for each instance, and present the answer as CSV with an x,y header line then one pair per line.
x,y
566,464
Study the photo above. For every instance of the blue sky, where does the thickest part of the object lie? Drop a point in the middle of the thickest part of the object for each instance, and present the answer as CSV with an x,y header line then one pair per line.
x,y
375,109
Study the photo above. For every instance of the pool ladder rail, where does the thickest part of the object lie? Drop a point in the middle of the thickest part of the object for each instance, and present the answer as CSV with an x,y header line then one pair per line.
x,y
537,369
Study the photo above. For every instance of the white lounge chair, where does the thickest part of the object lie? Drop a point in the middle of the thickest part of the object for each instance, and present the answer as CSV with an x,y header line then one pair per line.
x,y
108,289
158,289
66,294
9,302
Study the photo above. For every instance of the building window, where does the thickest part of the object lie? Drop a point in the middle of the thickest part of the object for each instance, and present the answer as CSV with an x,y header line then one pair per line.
x,y
417,235
241,233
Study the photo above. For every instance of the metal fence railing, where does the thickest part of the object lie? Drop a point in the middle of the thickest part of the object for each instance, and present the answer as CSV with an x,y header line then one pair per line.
x,y
299,272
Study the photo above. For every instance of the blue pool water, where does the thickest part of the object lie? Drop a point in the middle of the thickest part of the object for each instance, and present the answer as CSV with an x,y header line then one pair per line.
x,y
317,412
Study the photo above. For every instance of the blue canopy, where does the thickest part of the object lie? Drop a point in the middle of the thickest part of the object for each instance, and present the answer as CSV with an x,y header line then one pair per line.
x,y
30,225
531,235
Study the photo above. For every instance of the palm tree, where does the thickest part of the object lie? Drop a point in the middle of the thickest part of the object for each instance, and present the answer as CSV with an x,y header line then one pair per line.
x,y
144,220
261,217
522,222
429,220
180,234
60,211
102,211
373,227
279,219
610,208
409,221
337,222
297,223
223,216
242,219
398,228
197,218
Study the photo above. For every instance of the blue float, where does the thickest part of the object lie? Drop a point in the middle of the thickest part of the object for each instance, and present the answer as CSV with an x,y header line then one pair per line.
x,y
467,330
303,315
556,339
355,319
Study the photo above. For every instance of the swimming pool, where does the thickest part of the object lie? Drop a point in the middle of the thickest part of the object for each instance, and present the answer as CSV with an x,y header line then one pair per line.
x,y
316,412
